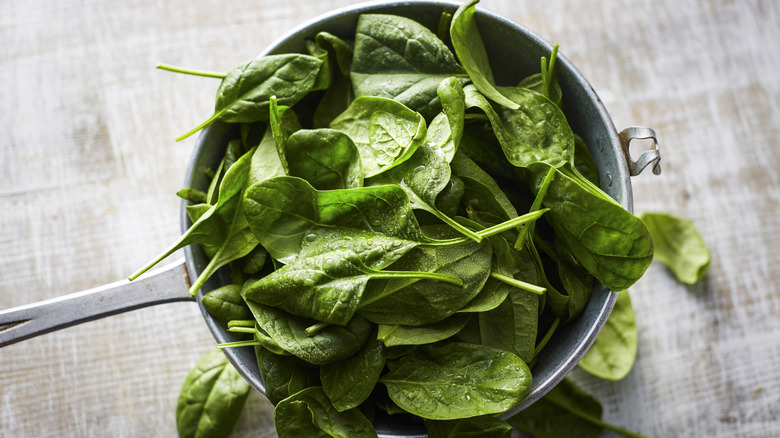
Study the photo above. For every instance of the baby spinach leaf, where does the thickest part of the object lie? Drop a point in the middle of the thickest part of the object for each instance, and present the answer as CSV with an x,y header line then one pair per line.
x,y
613,353
281,211
309,413
485,426
283,376
513,324
481,192
211,398
244,94
449,199
398,58
226,304
493,293
339,94
565,411
456,380
537,132
385,132
611,243
265,163
349,382
453,102
471,53
416,301
193,195
679,246
326,158
583,161
331,344
394,335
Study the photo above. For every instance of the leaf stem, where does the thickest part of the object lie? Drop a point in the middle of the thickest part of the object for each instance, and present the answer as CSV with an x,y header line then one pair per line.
x,y
451,279
519,283
175,69
546,337
240,329
239,344
487,232
536,205
457,226
313,329
208,121
241,323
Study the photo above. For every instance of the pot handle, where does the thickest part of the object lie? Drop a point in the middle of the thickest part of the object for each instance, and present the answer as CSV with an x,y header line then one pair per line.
x,y
653,155
164,285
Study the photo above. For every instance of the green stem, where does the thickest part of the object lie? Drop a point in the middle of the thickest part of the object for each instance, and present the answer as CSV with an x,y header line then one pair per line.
x,y
536,205
451,279
313,329
250,330
457,226
238,344
519,283
241,323
208,121
545,79
547,336
207,74
487,232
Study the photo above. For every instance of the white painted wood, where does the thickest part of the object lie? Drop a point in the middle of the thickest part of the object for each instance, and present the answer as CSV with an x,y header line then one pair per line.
x,y
89,170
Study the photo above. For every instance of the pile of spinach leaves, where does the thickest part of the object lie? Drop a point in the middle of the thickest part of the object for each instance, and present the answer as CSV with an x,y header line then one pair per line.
x,y
404,235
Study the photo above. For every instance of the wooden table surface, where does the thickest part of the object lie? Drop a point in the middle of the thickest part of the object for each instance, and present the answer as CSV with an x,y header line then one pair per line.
x,y
89,168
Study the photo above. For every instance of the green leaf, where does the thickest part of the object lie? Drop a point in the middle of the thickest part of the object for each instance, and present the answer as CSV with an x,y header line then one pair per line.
x,y
339,94
331,344
283,376
385,132
457,380
211,398
226,304
679,246
394,335
471,53
398,58
244,94
349,382
613,353
485,426
326,158
281,211
309,413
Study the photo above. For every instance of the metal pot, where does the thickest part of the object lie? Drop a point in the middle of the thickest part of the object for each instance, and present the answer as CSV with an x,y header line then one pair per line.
x,y
519,49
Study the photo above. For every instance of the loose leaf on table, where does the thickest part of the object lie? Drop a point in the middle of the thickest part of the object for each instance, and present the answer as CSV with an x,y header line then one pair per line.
x,y
326,158
281,211
417,301
485,426
211,398
226,304
679,246
349,382
246,90
457,380
471,53
385,132
309,413
400,59
328,345
613,353
394,335
565,411
285,375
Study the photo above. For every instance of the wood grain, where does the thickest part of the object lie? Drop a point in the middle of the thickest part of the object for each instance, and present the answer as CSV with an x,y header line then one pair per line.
x,y
89,170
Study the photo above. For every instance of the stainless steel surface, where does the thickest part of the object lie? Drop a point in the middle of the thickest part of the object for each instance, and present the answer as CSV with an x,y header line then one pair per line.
x,y
651,156
164,285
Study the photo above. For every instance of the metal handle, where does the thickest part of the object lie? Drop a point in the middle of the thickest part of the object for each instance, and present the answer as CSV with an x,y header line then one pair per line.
x,y
653,155
165,285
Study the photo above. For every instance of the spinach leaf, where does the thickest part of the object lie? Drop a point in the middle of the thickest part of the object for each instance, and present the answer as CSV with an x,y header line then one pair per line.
x,y
328,345
394,335
565,411
453,102
326,158
583,161
282,210
485,426
513,324
471,53
481,190
613,353
339,94
679,246
326,282
385,132
244,94
611,243
266,162
456,380
537,132
211,398
226,304
398,58
193,195
309,413
283,376
416,301
349,382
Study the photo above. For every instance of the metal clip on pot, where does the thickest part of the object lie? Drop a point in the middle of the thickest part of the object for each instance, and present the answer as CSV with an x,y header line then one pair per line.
x,y
653,155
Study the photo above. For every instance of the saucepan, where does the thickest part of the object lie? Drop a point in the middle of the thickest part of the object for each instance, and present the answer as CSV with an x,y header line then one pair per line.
x,y
519,50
